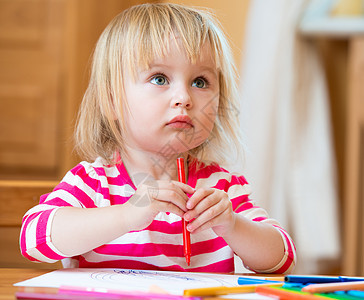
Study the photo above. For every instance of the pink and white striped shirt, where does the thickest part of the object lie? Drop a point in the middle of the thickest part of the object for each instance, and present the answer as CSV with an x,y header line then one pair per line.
x,y
159,246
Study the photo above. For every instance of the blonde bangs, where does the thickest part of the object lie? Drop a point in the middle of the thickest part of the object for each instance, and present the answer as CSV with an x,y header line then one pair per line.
x,y
157,25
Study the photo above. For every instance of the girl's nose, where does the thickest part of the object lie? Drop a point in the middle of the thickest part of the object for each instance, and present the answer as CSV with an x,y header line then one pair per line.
x,y
182,99
182,104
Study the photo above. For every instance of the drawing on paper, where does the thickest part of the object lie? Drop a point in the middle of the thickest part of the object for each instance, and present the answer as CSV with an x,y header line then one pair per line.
x,y
160,278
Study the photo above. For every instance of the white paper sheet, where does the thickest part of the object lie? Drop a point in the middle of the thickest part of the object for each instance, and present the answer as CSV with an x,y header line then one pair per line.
x,y
134,280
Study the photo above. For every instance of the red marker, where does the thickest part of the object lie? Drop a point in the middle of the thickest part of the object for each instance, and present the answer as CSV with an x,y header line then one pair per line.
x,y
186,233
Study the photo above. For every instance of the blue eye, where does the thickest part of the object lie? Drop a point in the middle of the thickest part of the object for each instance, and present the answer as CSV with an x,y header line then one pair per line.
x,y
159,80
199,83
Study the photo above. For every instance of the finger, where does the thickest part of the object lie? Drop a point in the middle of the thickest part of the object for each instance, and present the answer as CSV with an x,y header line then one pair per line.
x,y
198,196
172,195
208,219
203,205
155,191
169,207
184,187
177,187
207,209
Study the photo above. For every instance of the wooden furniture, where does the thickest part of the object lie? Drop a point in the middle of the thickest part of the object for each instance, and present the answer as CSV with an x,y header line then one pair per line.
x,y
354,161
10,276
342,46
45,49
30,79
16,197
345,70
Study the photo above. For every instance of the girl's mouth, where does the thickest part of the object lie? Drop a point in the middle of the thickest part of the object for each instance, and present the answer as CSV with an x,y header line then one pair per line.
x,y
180,122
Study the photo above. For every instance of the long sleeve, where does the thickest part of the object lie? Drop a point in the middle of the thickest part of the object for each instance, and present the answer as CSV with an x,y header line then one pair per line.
x,y
237,192
77,189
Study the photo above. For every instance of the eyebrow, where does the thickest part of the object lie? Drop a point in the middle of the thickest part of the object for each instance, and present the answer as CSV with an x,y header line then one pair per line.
x,y
213,71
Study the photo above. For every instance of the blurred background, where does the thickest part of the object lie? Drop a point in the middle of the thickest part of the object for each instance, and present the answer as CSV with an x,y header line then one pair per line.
x,y
301,78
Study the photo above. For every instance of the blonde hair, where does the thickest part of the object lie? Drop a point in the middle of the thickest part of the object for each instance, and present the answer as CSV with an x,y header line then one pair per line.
x,y
133,39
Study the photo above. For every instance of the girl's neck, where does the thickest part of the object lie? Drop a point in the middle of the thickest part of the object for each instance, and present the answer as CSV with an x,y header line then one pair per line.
x,y
155,165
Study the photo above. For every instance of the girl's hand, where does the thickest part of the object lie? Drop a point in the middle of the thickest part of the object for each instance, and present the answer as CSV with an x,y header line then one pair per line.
x,y
210,208
152,197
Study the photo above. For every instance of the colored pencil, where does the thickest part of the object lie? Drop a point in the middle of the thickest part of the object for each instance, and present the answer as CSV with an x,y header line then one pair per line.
x,y
334,287
306,279
225,290
120,294
286,294
186,233
252,280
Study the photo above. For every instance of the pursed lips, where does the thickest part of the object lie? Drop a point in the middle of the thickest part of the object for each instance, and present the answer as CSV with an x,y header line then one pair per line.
x,y
180,122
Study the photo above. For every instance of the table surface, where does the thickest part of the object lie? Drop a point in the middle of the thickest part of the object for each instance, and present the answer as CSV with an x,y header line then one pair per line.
x,y
10,276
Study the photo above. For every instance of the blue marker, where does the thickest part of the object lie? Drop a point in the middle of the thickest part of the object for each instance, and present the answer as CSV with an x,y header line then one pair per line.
x,y
355,293
243,280
302,279
347,278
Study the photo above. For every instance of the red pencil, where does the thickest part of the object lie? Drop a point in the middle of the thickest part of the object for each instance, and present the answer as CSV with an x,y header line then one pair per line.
x,y
186,233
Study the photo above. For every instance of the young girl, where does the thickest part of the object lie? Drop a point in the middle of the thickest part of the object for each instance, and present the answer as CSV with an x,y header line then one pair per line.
x,y
162,87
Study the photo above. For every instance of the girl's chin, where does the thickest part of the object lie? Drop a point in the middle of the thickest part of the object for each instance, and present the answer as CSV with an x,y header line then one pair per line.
x,y
178,146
